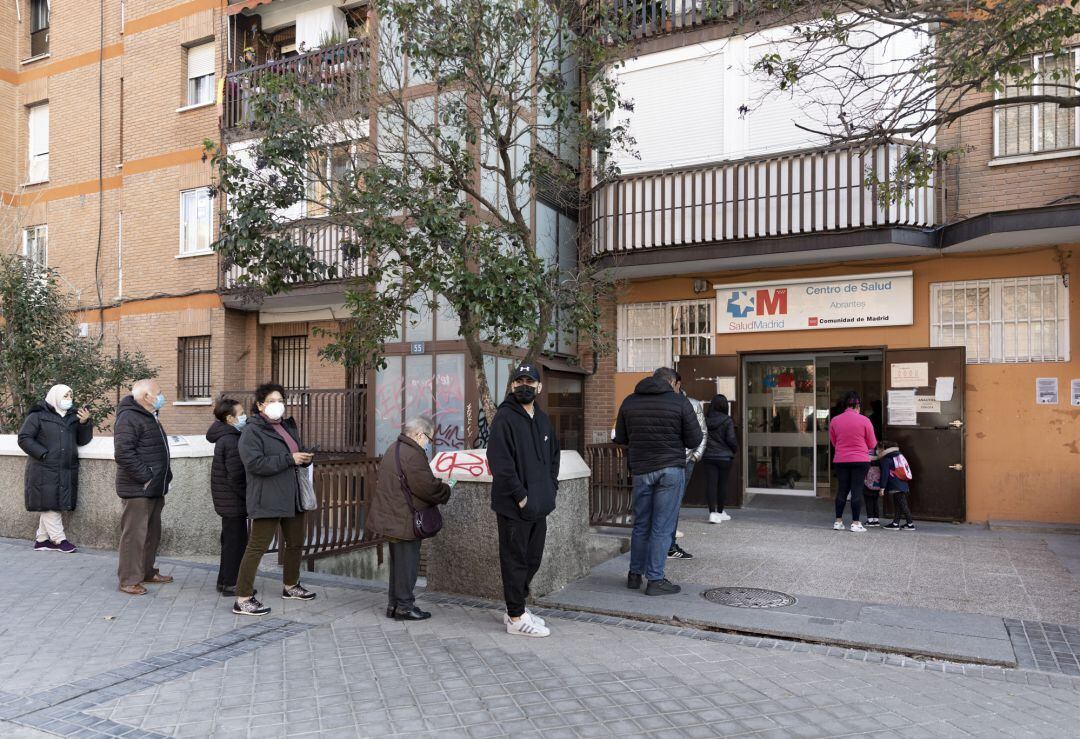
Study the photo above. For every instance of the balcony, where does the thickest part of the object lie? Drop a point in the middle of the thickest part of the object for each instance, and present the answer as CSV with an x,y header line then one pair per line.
x,y
331,244
824,191
650,18
341,69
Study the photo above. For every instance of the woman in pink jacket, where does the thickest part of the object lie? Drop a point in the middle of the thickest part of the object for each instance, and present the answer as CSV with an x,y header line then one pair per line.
x,y
852,437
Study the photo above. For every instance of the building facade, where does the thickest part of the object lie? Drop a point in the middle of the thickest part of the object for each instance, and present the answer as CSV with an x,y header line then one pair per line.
x,y
761,262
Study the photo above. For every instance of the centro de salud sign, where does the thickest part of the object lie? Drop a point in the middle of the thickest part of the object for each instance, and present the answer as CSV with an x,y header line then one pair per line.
x,y
848,301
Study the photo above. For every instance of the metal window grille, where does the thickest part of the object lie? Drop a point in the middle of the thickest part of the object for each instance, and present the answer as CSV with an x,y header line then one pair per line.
x,y
193,367
1006,321
288,361
1028,127
652,335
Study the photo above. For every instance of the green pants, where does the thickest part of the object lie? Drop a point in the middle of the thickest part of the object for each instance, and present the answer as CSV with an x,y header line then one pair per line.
x,y
262,533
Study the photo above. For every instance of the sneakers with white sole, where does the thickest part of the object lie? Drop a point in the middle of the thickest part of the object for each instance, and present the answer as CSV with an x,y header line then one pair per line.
x,y
526,626
857,527
530,614
838,526
724,516
716,517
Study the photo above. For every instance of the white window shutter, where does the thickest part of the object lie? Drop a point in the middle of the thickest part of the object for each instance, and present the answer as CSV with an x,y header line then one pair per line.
x,y
200,60
38,143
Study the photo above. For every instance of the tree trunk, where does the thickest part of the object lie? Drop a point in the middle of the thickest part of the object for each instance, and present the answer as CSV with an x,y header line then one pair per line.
x,y
476,356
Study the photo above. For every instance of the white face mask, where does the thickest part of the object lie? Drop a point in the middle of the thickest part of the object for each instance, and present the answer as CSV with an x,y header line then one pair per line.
x,y
274,410
65,404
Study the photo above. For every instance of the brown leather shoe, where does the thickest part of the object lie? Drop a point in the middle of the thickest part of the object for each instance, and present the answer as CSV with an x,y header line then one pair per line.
x,y
159,579
133,589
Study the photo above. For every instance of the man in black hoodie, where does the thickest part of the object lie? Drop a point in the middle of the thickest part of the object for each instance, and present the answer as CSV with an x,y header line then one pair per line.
x,y
658,425
524,458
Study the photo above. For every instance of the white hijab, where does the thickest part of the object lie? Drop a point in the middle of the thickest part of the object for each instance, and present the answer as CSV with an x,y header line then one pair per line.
x,y
55,394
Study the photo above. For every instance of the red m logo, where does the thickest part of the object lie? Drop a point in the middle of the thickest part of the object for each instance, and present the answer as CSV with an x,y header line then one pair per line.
x,y
771,302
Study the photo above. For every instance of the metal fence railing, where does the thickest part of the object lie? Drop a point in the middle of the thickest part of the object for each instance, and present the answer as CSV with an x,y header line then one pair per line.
x,y
331,420
611,493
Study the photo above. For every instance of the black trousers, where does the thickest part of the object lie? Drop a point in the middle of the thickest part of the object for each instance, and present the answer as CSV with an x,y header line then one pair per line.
x,y
404,568
717,473
234,539
521,550
900,506
872,499
849,480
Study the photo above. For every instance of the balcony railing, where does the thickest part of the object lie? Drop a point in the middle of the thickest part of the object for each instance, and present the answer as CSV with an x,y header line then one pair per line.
x,y
806,192
646,18
332,421
341,69
330,243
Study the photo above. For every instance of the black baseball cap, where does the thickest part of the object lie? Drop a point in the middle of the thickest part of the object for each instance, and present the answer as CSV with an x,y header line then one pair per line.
x,y
525,370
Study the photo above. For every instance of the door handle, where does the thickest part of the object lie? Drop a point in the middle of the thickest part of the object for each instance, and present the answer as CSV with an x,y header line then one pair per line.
x,y
956,424
958,467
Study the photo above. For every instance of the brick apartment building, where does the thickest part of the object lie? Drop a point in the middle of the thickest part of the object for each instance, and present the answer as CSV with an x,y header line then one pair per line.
x,y
759,262
107,117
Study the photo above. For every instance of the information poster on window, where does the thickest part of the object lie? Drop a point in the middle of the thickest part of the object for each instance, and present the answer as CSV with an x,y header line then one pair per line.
x,y
1074,393
902,407
1046,391
784,395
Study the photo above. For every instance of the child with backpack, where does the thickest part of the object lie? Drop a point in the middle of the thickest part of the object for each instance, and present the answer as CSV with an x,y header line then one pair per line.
x,y
872,493
895,479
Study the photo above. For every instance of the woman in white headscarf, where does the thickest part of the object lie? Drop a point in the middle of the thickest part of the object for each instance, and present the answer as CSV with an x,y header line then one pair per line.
x,y
51,435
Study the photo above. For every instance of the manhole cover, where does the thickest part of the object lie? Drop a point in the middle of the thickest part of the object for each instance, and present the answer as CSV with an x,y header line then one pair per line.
x,y
748,597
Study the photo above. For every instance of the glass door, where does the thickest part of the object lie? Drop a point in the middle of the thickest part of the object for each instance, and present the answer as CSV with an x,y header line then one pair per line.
x,y
780,416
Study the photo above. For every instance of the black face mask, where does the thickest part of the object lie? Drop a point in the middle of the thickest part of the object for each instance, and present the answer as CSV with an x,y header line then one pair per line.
x,y
524,394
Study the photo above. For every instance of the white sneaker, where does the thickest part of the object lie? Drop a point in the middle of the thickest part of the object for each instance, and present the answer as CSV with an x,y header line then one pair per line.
x,y
526,626
715,517
838,526
539,621
724,516
857,527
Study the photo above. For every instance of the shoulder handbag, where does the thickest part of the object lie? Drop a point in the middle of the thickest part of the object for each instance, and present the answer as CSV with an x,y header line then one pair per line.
x,y
427,522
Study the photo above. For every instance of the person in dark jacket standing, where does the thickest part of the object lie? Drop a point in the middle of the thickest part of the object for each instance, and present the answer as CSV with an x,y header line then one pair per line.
x,y
720,450
51,436
524,458
143,474
271,451
228,489
658,425
391,515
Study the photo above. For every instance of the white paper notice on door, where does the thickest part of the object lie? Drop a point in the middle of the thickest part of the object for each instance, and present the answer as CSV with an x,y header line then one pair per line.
x,y
784,395
927,404
725,386
1046,390
910,374
943,389
902,407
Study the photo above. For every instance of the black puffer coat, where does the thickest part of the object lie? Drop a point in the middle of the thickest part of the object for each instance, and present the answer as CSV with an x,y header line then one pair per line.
x,y
524,457
658,425
722,445
272,486
142,452
52,472
228,482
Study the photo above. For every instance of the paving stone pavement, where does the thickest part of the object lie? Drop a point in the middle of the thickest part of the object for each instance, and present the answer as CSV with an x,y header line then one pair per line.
x,y
178,663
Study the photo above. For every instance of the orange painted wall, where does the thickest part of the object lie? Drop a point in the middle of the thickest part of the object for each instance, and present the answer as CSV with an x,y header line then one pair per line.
x,y
1023,460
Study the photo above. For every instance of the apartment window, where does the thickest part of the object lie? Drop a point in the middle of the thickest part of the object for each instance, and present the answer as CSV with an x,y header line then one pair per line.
x,y
1028,128
288,361
39,27
35,246
1022,319
38,143
196,222
193,367
200,74
652,335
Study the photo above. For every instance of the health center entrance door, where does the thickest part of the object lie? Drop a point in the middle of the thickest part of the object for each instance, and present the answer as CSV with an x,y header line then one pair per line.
x,y
779,418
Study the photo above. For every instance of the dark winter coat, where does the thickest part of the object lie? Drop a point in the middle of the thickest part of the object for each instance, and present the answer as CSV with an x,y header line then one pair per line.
x,y
273,488
52,471
389,514
141,448
722,445
524,458
658,425
890,483
228,482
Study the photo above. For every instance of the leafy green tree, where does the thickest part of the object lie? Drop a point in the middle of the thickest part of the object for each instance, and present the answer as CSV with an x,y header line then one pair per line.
x,y
946,60
478,106
40,347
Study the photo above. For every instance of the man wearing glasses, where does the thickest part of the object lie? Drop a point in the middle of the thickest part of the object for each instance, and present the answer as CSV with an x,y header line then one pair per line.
x,y
524,458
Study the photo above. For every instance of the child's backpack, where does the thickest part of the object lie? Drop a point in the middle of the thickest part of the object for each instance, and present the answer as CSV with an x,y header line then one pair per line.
x,y
901,469
873,478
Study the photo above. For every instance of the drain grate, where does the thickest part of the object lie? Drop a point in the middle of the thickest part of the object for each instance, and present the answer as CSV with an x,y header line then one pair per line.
x,y
748,598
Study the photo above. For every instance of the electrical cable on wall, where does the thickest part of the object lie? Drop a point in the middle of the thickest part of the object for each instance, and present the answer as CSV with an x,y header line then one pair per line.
x,y
101,169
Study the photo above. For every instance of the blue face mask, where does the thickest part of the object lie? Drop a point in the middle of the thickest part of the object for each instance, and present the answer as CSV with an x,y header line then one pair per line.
x,y
241,421
159,402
